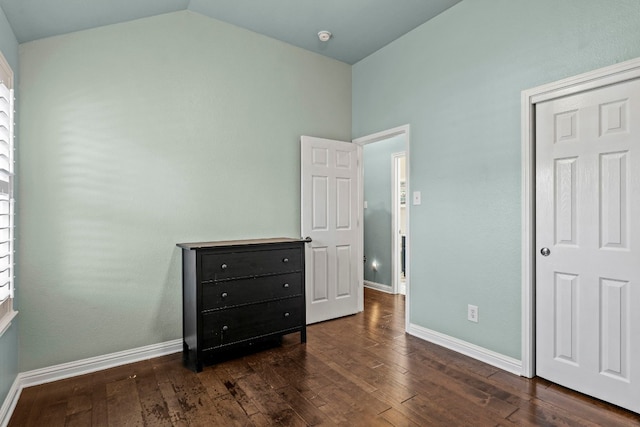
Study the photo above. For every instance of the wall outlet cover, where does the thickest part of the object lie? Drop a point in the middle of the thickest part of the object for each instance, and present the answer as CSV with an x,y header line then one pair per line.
x,y
472,313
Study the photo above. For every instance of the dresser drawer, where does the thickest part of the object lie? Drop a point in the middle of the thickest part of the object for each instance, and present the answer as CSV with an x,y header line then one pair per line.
x,y
222,266
220,328
229,293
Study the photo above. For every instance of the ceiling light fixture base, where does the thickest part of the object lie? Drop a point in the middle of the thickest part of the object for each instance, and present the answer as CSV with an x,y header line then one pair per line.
x,y
324,36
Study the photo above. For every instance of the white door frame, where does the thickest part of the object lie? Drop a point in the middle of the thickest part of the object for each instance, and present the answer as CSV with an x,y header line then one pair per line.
x,y
379,136
396,241
602,77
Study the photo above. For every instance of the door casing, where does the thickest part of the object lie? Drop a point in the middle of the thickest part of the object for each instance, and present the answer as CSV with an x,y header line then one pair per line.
x,y
396,217
613,74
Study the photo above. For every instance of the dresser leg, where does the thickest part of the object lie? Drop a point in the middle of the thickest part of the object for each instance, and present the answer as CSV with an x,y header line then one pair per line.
x,y
185,353
303,335
190,359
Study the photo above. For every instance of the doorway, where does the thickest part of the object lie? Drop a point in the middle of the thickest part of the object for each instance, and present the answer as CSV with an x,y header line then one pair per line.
x,y
383,198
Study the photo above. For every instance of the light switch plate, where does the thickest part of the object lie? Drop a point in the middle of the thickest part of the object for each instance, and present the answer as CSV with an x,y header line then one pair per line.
x,y
417,198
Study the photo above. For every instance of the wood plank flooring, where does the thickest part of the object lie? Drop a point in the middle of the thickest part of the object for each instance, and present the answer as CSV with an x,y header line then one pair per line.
x,y
360,370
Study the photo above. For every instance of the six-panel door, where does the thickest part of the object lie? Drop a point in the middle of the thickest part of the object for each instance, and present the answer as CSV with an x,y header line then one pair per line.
x,y
587,236
330,218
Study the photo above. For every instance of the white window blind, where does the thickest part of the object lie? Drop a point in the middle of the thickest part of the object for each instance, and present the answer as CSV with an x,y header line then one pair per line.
x,y
6,193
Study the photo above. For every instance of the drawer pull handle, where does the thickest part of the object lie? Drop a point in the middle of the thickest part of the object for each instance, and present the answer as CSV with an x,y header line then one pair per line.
x,y
223,266
285,260
287,314
224,295
286,285
225,328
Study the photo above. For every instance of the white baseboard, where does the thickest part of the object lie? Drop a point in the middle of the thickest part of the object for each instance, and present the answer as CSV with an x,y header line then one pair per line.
x,y
81,367
378,286
489,357
93,364
10,402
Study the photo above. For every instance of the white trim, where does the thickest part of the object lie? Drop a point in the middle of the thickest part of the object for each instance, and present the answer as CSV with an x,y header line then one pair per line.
x,y
385,134
402,289
93,364
489,357
613,74
10,402
378,136
5,321
394,219
528,240
378,286
6,72
396,241
360,247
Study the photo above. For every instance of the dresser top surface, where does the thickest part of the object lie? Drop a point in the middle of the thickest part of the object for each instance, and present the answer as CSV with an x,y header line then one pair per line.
x,y
224,243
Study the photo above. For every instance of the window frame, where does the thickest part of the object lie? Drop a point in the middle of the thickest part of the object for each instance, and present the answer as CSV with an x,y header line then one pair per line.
x,y
7,311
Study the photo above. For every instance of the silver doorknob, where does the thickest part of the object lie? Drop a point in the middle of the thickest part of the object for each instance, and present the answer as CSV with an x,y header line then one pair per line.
x,y
545,251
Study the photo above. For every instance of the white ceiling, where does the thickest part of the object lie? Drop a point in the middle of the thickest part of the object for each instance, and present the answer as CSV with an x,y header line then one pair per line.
x,y
359,27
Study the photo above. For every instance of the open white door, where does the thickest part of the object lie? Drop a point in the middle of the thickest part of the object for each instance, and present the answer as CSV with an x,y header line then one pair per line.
x,y
330,216
587,237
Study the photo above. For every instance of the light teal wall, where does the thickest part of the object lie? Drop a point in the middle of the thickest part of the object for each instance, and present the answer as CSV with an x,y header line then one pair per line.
x,y
457,81
9,340
141,135
378,226
8,43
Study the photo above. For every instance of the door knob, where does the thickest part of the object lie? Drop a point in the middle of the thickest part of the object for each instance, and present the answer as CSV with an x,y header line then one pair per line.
x,y
545,251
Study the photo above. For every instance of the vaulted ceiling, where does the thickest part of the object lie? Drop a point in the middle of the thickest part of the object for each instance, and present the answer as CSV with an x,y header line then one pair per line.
x,y
359,27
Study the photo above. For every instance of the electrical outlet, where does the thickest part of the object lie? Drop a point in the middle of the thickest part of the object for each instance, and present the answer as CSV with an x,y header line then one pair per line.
x,y
472,313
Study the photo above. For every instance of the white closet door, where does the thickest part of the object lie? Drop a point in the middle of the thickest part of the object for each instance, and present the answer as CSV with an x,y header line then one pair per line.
x,y
588,237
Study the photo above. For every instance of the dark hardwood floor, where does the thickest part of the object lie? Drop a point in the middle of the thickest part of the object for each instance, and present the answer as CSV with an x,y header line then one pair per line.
x,y
361,370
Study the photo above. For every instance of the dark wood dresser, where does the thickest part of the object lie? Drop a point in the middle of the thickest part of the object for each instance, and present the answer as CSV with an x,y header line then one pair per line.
x,y
237,293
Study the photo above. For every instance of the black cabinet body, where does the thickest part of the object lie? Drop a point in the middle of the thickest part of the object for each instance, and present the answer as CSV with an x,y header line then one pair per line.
x,y
240,292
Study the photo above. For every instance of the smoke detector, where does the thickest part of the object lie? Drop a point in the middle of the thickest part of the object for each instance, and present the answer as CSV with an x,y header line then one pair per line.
x,y
324,36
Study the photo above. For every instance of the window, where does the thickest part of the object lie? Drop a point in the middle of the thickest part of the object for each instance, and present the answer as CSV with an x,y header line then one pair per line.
x,y
6,195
